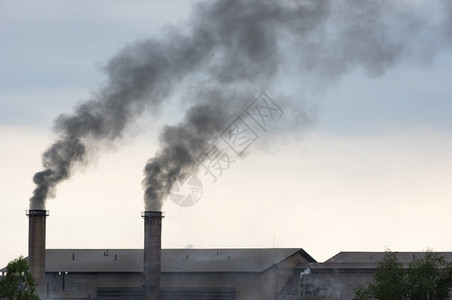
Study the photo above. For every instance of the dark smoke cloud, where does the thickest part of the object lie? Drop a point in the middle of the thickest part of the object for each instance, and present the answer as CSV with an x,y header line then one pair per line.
x,y
182,144
232,44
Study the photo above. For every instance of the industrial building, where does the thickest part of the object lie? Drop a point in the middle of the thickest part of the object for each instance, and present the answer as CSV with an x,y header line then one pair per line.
x,y
186,273
337,277
153,273
226,274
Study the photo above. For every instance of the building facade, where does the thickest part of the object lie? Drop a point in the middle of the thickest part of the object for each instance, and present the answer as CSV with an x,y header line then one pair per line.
x,y
214,274
336,278
188,274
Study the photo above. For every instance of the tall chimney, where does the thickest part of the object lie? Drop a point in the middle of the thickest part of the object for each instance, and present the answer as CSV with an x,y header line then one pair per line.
x,y
37,248
152,253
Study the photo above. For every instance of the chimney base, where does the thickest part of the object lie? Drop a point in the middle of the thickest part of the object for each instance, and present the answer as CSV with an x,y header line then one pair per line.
x,y
37,248
152,253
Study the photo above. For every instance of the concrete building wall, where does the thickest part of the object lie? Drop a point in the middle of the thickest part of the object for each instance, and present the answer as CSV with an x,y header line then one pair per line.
x,y
325,285
85,285
245,284
268,284
286,271
71,285
335,285
120,280
275,280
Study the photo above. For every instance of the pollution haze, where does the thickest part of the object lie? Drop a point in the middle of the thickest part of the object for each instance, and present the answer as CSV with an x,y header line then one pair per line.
x,y
91,95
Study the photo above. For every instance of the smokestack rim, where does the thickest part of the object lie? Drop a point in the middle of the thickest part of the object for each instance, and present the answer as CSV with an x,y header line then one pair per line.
x,y
37,212
152,213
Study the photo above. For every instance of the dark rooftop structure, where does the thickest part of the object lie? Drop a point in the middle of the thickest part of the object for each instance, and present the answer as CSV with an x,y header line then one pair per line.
x,y
337,277
227,274
173,260
185,273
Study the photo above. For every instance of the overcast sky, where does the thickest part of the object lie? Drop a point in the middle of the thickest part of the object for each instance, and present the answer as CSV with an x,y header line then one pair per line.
x,y
371,169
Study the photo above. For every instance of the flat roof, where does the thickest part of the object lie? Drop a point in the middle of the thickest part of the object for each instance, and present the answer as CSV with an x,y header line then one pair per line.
x,y
350,260
173,260
370,257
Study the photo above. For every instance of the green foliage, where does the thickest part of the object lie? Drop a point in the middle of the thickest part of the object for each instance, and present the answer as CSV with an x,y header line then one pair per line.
x,y
429,277
425,278
18,283
389,279
362,292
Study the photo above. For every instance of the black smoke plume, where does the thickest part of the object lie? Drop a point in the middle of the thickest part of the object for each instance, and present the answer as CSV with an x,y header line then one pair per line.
x,y
182,144
233,44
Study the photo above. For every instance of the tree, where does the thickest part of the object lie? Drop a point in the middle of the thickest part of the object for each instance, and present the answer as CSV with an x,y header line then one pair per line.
x,y
18,283
425,278
389,281
429,277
